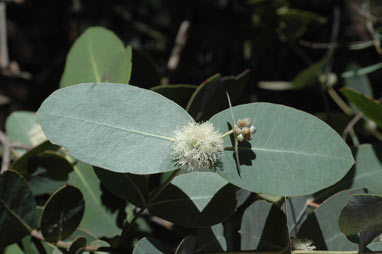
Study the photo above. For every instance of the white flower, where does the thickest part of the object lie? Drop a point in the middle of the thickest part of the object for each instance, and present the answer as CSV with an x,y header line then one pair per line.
x,y
303,244
196,146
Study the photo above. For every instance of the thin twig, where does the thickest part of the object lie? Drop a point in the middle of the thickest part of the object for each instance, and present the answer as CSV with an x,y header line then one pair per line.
x,y
351,124
365,14
4,58
66,245
7,148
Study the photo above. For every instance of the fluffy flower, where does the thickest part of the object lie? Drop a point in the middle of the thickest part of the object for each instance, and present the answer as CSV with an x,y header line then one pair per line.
x,y
196,146
303,244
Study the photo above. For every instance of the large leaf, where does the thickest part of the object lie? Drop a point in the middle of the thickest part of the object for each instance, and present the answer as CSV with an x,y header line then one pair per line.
x,y
117,127
130,187
196,199
97,55
362,215
263,227
23,127
62,214
371,108
322,226
98,219
210,97
149,245
291,154
17,208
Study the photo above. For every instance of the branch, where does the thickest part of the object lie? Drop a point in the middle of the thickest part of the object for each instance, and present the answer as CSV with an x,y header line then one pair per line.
x,y
7,147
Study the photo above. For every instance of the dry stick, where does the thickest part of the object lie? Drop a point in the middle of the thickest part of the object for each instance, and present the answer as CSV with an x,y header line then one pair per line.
x,y
351,124
7,147
180,42
4,59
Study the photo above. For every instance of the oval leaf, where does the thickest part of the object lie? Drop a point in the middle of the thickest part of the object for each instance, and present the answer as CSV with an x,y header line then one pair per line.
x,y
292,153
92,56
196,199
17,208
78,245
117,127
362,213
62,213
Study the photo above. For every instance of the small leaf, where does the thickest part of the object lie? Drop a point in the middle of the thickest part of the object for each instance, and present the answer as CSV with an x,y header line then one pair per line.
x,y
210,97
149,245
300,15
362,214
180,94
308,76
196,199
211,239
130,187
78,245
371,108
360,83
92,55
17,208
62,213
292,153
117,127
263,227
187,245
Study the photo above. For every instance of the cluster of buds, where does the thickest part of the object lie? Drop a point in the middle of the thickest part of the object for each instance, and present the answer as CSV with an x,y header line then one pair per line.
x,y
244,129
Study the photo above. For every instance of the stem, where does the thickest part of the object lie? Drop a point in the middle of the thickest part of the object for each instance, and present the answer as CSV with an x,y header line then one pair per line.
x,y
227,133
337,99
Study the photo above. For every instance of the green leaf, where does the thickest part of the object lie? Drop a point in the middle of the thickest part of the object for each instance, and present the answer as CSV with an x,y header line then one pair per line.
x,y
97,218
99,244
211,239
17,208
322,225
263,227
196,199
362,213
62,214
23,127
149,245
306,17
130,187
98,54
371,108
117,127
78,245
296,213
210,97
187,245
180,94
308,76
291,154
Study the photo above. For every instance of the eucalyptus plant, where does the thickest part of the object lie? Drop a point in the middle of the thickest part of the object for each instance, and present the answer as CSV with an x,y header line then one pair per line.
x,y
193,171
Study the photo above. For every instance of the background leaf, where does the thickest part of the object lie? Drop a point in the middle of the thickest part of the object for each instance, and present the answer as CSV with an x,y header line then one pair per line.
x,y
322,225
187,245
263,227
368,106
130,187
149,245
62,213
362,213
308,76
180,94
117,127
93,55
196,199
291,154
17,208
210,97
211,239
296,213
